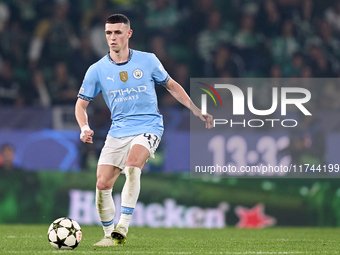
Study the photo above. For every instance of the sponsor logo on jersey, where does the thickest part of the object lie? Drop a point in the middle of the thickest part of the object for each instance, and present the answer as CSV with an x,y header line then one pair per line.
x,y
127,91
127,94
137,73
123,76
81,91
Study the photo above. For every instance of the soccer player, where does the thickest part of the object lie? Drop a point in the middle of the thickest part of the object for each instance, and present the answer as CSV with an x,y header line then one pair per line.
x,y
126,78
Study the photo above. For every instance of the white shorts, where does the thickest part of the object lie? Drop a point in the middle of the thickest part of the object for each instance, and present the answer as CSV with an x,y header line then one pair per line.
x,y
116,150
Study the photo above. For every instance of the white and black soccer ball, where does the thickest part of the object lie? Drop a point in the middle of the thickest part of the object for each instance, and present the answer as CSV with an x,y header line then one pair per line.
x,y
64,234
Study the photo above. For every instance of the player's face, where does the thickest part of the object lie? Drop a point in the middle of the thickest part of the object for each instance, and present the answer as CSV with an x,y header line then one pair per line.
x,y
117,36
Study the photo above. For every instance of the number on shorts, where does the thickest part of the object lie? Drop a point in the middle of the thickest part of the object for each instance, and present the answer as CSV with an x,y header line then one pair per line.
x,y
152,139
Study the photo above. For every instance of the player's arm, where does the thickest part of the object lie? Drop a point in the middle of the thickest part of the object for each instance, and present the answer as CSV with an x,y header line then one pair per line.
x,y
82,119
181,96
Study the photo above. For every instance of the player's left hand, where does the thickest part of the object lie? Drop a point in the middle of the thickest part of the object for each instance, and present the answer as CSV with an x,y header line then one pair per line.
x,y
207,118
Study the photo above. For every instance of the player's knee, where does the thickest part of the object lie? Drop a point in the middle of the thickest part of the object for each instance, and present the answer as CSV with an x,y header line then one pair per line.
x,y
133,163
103,185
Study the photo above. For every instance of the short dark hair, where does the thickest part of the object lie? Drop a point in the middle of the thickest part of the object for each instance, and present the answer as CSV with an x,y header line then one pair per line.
x,y
118,18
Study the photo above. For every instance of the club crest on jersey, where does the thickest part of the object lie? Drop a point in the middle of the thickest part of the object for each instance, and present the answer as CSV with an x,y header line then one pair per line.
x,y
137,73
123,76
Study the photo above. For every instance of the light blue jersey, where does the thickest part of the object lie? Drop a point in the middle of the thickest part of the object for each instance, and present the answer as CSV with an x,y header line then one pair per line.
x,y
129,91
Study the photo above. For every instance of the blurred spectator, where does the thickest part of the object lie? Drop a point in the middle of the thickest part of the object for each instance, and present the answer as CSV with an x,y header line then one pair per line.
x,y
210,38
161,18
12,42
284,46
321,67
223,62
4,15
269,19
304,19
332,16
83,58
7,155
97,35
27,12
181,75
63,88
10,89
200,15
54,39
92,13
246,36
306,72
37,94
158,47
275,71
249,45
294,68
13,46
330,44
287,7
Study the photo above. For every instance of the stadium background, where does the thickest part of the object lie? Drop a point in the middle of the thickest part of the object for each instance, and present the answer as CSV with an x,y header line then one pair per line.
x,y
45,49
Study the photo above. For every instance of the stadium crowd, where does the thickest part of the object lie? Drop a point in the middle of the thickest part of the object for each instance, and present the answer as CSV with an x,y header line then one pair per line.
x,y
46,48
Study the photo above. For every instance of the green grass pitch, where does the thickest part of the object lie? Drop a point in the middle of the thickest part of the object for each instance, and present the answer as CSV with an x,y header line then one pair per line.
x,y
32,239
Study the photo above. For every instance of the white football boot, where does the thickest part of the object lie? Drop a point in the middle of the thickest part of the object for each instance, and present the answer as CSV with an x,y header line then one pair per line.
x,y
106,242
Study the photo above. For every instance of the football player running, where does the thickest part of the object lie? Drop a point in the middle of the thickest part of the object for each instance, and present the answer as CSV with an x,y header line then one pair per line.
x,y
126,78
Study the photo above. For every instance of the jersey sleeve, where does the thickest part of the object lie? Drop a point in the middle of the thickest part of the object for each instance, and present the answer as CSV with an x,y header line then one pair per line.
x,y
159,75
90,87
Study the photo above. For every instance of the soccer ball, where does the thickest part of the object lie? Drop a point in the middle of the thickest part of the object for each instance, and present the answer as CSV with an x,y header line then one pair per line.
x,y
64,234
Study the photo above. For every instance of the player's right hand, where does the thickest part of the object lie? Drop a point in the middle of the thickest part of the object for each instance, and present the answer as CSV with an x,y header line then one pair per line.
x,y
86,134
87,138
